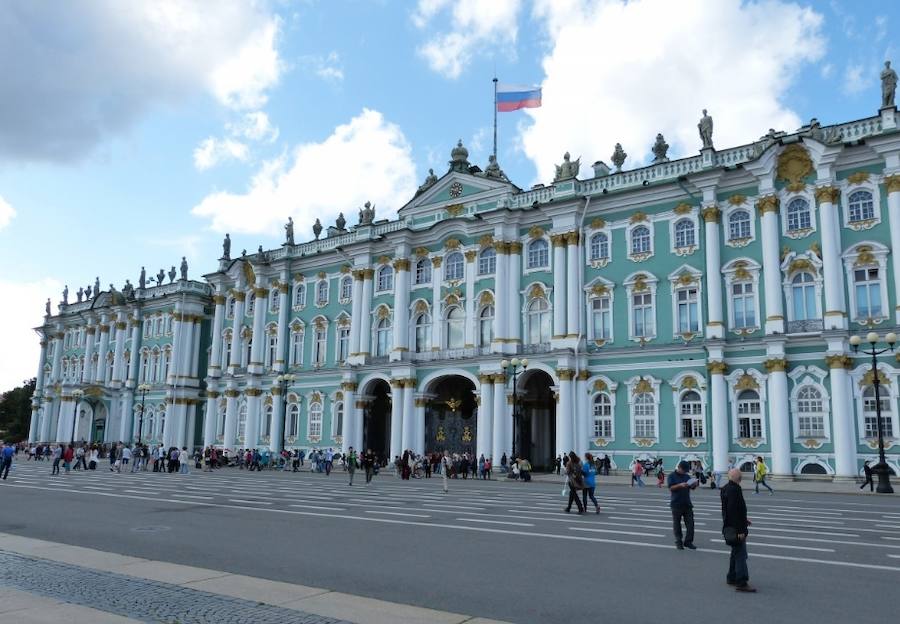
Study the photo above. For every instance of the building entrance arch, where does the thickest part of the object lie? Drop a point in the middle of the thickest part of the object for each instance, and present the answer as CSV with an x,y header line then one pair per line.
x,y
536,423
377,419
450,417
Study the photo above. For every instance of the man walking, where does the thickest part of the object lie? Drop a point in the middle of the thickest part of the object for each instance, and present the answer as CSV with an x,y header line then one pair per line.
x,y
680,484
867,469
445,468
369,465
6,459
734,529
351,463
760,471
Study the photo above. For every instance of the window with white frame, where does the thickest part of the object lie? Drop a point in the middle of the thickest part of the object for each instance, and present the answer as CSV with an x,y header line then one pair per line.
x,y
220,417
296,353
149,422
640,240
601,317
226,349
423,271
148,322
314,429
167,362
299,295
603,416
454,266
274,301
247,350
346,288
749,414
643,315
870,413
690,412
538,318
743,304
538,254
385,279
145,367
343,344
320,346
486,326
383,337
242,421
810,412
229,307
860,206
799,217
423,333
271,350
867,292
251,304
685,234
337,419
487,261
643,411
322,292
687,310
739,225
168,325
456,328
293,419
156,364
267,421
803,297
599,246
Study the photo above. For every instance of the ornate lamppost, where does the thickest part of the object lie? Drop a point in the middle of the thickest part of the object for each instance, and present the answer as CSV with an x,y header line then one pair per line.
x,y
282,382
511,368
881,468
143,388
78,394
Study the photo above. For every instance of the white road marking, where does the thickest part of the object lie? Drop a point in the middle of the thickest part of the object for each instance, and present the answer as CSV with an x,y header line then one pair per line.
x,y
319,507
248,502
758,544
497,522
397,513
616,531
193,496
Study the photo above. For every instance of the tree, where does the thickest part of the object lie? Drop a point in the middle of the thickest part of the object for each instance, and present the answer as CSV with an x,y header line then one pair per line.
x,y
15,411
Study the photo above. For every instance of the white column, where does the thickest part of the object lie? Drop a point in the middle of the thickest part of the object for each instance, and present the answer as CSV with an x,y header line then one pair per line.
x,y
718,415
843,423
437,326
276,427
176,367
33,424
190,425
67,407
514,275
564,413
410,423
42,361
560,285
126,422
56,369
254,413
892,184
583,422
236,327
832,276
357,418
356,311
228,440
169,428
573,310
259,334
420,403
283,317
100,373
771,257
365,315
397,391
47,412
501,419
715,325
118,377
471,321
212,411
133,365
501,305
779,415
194,354
214,366
90,332
401,307
349,390
485,426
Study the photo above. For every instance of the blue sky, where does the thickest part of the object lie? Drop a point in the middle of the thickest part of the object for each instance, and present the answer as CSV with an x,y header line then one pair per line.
x,y
134,133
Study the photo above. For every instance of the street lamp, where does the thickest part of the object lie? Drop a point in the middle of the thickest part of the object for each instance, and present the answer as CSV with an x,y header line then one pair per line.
x,y
77,393
144,388
881,468
283,381
511,367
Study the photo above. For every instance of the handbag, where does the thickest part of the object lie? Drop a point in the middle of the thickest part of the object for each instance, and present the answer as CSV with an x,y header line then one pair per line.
x,y
731,536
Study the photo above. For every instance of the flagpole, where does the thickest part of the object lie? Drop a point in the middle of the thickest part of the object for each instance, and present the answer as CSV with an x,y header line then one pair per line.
x,y
495,117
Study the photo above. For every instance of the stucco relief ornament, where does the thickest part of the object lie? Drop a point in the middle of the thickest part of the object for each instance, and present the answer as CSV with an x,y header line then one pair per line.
x,y
618,157
184,269
142,279
367,214
226,248
705,128
659,149
888,85
568,169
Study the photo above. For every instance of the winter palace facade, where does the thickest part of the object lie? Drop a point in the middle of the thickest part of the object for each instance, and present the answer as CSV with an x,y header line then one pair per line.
x,y
697,308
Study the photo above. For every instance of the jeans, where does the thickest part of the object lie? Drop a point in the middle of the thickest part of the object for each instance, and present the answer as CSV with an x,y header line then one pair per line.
x,y
639,480
738,574
688,514
55,466
764,484
588,491
184,468
4,467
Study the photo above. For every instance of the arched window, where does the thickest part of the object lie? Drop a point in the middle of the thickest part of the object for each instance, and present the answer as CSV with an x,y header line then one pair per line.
x,y
267,421
157,368
347,288
749,414
455,266
456,328
299,295
337,419
423,271
322,292
870,414
148,322
603,416
599,246
167,362
423,333
861,206
315,421
296,356
162,422
798,215
684,233
867,291
810,412
226,349
320,346
691,414
538,254
640,240
147,428
248,349
538,322
145,366
644,410
293,419
242,422
383,337
251,304
739,225
385,278
686,303
803,295
486,326
487,261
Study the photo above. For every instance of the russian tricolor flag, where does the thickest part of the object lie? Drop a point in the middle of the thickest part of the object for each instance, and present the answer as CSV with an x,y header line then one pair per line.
x,y
514,97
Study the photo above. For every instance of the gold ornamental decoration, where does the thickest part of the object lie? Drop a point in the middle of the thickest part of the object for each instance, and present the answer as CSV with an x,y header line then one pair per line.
x,y
638,217
775,365
249,275
486,298
801,264
864,257
421,306
794,164
486,241
746,382
711,214
451,243
598,224
536,291
642,386
737,200
383,312
640,283
600,386
769,203
688,383
869,378
421,252
381,260
453,404
467,434
827,194
683,208
599,289
536,231
859,177
454,210
892,183
440,436
717,367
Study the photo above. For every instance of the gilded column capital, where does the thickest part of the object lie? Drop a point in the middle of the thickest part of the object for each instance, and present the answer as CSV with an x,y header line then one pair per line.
x,y
565,374
104,329
397,383
261,292
212,394
91,330
717,367
711,214
253,392
121,324
558,240
767,203
572,238
282,287
892,183
368,273
219,299
401,265
485,378
276,390
470,255
349,386
499,378
361,404
239,295
838,361
773,365
231,393
436,261
420,402
501,247
827,194
515,247
584,374
358,274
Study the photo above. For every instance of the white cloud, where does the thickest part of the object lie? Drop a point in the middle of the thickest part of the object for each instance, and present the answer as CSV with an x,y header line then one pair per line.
x,y
7,212
87,71
671,60
327,67
188,245
826,70
254,126
367,159
856,78
19,342
213,151
476,25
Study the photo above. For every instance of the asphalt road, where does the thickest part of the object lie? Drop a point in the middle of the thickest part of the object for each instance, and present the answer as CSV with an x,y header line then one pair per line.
x,y
494,549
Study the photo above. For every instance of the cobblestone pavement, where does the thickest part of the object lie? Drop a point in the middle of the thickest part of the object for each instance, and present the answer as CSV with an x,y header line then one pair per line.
x,y
147,601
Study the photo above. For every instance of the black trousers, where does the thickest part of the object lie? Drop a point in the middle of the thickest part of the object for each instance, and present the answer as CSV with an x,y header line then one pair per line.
x,y
573,497
686,513
4,467
868,482
588,491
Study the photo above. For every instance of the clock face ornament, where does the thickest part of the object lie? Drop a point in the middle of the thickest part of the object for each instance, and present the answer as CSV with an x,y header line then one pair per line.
x,y
456,189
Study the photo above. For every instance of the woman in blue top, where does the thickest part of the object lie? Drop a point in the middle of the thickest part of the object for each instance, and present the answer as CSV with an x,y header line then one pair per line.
x,y
590,481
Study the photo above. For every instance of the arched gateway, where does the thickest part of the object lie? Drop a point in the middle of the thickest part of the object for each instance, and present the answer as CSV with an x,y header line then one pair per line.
x,y
377,418
536,430
450,416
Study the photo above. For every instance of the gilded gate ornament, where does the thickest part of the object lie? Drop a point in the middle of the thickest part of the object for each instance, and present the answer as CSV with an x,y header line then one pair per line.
x,y
441,435
467,434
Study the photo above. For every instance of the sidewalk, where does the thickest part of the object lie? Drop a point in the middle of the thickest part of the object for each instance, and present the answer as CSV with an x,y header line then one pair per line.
x,y
111,588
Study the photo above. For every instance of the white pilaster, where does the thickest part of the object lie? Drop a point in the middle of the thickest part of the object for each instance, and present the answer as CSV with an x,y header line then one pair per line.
x,y
349,390
231,394
560,285
564,442
583,421
356,310
485,425
501,419
715,325
50,407
718,415
771,256
409,416
39,378
401,307
100,373
126,420
259,336
471,321
892,184
33,425
56,369
514,275
365,316
779,411
134,364
501,305
276,427
171,426
437,308
420,403
212,411
214,366
118,377
397,400
254,413
833,278
573,309
843,422
236,327
283,319
90,333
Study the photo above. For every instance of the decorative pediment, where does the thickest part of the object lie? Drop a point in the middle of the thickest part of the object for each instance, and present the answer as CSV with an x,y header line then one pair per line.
x,y
450,194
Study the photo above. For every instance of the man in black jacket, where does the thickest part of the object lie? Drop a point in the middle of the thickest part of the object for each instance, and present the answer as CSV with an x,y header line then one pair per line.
x,y
734,516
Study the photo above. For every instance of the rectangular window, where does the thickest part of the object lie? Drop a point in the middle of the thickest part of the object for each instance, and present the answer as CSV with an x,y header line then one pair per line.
x,y
320,346
343,344
602,318
744,304
688,320
643,315
868,293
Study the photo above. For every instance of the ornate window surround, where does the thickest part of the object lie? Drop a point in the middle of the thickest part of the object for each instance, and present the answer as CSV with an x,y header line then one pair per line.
x,y
867,254
678,280
888,391
681,384
319,282
864,182
638,385
527,241
298,299
636,283
809,376
733,272
793,264
785,198
747,205
694,217
599,226
600,384
341,298
633,223
736,379
595,289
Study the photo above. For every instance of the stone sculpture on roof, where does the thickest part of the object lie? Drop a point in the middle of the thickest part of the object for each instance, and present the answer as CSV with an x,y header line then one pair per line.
x,y
79,295
659,149
430,181
317,229
160,277
888,85
172,274
493,170
47,307
96,286
65,294
184,269
142,279
618,157
706,130
459,158
568,169
289,232
340,223
367,214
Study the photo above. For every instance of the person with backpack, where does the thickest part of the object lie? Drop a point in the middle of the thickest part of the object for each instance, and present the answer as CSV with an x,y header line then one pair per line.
x,y
637,474
575,482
